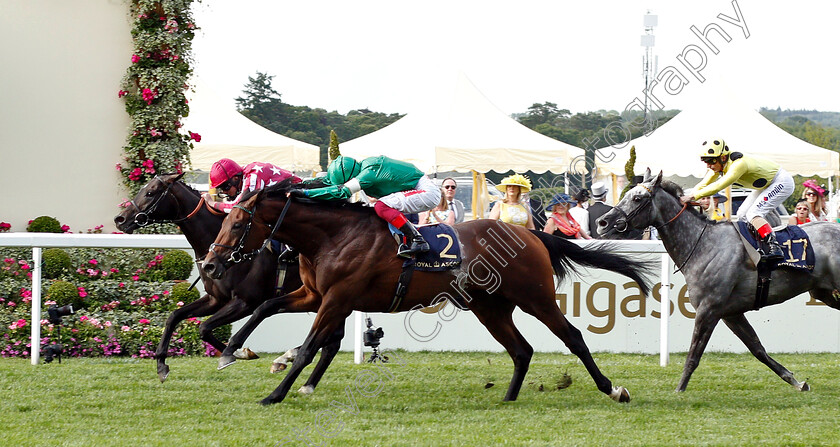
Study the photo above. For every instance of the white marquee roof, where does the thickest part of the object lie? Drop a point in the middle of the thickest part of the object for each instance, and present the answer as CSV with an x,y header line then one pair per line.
x,y
225,133
717,113
464,131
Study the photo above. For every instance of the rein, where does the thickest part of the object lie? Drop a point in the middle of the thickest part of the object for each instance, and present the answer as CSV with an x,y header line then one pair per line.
x,y
236,255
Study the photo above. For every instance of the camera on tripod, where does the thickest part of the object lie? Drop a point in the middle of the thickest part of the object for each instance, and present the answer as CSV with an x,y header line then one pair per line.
x,y
53,351
55,312
371,335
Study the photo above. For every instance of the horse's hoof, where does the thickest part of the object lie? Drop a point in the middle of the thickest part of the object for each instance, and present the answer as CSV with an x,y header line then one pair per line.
x,y
266,402
163,372
804,387
225,361
306,389
277,367
245,354
620,394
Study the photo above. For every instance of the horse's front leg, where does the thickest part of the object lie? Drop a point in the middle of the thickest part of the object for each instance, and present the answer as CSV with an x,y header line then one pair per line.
x,y
273,306
232,311
201,307
325,325
742,328
704,325
328,353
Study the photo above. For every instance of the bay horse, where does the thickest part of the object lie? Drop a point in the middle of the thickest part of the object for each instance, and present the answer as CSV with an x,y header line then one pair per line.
x,y
166,199
347,263
720,276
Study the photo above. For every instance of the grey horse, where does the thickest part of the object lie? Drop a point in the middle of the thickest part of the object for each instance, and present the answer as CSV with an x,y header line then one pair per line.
x,y
694,243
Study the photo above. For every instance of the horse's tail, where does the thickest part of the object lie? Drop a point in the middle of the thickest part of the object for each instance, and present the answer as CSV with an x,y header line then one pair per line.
x,y
566,255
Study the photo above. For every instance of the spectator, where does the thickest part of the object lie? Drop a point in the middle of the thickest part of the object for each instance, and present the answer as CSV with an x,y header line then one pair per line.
x,y
439,214
561,222
455,205
815,197
510,209
800,215
715,214
579,212
537,211
598,208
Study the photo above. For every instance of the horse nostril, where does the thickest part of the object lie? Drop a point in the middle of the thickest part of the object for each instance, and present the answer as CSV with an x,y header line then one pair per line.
x,y
208,268
119,220
602,223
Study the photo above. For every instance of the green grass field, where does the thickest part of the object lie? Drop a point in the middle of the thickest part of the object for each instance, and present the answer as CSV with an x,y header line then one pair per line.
x,y
427,398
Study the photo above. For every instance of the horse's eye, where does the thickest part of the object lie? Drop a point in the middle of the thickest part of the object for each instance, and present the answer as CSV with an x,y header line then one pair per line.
x,y
637,198
149,194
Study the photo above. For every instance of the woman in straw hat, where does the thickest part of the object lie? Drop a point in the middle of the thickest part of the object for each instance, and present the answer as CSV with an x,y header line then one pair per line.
x,y
510,209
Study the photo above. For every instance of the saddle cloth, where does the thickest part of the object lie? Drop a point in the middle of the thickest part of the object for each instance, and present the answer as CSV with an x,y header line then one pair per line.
x,y
794,242
444,253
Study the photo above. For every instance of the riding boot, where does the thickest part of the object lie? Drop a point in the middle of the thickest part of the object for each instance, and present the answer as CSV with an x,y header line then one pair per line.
x,y
415,241
771,251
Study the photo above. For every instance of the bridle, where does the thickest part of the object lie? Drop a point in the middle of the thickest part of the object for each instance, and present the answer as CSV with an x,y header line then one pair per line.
x,y
625,218
236,254
143,217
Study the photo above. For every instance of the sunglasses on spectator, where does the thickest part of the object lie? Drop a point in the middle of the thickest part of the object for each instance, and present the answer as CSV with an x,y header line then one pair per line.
x,y
799,208
449,186
810,193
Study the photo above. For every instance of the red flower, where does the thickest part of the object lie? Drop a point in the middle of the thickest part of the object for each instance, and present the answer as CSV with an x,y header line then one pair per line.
x,y
121,93
144,321
195,137
135,58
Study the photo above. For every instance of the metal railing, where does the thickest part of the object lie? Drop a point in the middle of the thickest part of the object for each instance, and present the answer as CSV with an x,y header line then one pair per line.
x,y
39,241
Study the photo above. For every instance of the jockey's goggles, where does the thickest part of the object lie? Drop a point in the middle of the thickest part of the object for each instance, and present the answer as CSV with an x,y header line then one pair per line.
x,y
709,160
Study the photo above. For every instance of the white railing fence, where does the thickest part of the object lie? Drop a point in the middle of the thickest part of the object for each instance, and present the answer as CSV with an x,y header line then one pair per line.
x,y
39,241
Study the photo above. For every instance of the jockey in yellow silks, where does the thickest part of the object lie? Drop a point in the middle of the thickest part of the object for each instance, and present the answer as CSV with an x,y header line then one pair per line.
x,y
771,184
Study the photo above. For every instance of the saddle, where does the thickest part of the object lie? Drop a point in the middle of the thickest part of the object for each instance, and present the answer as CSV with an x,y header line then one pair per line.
x,y
444,254
799,254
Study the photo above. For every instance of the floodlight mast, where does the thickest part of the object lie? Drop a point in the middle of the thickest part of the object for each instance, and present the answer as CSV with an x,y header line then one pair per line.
x,y
648,63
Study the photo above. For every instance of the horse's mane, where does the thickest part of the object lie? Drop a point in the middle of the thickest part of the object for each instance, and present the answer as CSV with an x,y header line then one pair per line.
x,y
280,190
676,191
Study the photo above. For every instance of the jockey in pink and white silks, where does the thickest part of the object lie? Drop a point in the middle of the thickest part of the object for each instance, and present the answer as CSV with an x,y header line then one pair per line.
x,y
399,187
772,186
231,180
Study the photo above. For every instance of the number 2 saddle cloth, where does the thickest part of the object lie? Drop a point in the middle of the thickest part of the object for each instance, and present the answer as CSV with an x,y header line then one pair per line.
x,y
794,242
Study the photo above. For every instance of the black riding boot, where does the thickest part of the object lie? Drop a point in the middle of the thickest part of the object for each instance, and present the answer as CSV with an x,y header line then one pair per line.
x,y
771,251
414,239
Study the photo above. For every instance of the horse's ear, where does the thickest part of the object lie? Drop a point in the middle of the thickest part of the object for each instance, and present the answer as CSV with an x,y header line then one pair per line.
x,y
648,175
658,179
178,177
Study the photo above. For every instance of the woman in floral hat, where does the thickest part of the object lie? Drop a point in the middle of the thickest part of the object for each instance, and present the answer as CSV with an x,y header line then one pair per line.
x,y
815,196
510,209
561,222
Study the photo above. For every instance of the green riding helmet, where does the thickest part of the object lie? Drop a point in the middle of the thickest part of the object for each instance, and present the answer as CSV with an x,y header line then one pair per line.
x,y
342,169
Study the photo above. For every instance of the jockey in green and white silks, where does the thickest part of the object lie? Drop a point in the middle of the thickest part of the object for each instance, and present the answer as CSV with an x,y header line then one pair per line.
x,y
399,187
771,184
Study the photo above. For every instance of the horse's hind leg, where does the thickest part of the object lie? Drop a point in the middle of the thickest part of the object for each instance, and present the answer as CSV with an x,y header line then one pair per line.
x,y
742,328
328,353
550,315
498,319
201,307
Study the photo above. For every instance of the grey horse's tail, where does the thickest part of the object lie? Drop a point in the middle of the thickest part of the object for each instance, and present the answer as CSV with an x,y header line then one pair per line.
x,y
567,255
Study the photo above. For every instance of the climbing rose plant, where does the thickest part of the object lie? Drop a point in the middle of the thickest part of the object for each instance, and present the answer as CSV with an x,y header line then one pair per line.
x,y
154,90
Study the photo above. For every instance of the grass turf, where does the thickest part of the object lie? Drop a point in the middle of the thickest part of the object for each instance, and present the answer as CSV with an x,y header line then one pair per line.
x,y
422,398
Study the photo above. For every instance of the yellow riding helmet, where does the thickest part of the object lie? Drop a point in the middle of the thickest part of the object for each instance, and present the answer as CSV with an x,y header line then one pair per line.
x,y
714,148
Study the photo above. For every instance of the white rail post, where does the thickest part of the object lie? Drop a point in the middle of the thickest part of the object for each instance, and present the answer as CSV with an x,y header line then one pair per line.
x,y
358,355
664,309
35,339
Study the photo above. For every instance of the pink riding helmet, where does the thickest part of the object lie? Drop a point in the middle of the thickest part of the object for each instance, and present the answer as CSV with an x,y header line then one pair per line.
x,y
222,171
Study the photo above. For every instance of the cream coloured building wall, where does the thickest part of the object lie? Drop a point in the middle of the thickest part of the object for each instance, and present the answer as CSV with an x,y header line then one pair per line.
x,y
62,126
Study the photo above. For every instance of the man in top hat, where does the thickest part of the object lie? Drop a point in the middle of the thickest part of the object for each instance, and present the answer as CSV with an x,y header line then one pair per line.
x,y
598,207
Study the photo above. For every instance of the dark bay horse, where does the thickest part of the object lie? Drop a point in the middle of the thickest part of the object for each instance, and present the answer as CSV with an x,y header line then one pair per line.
x,y
347,263
166,199
720,276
